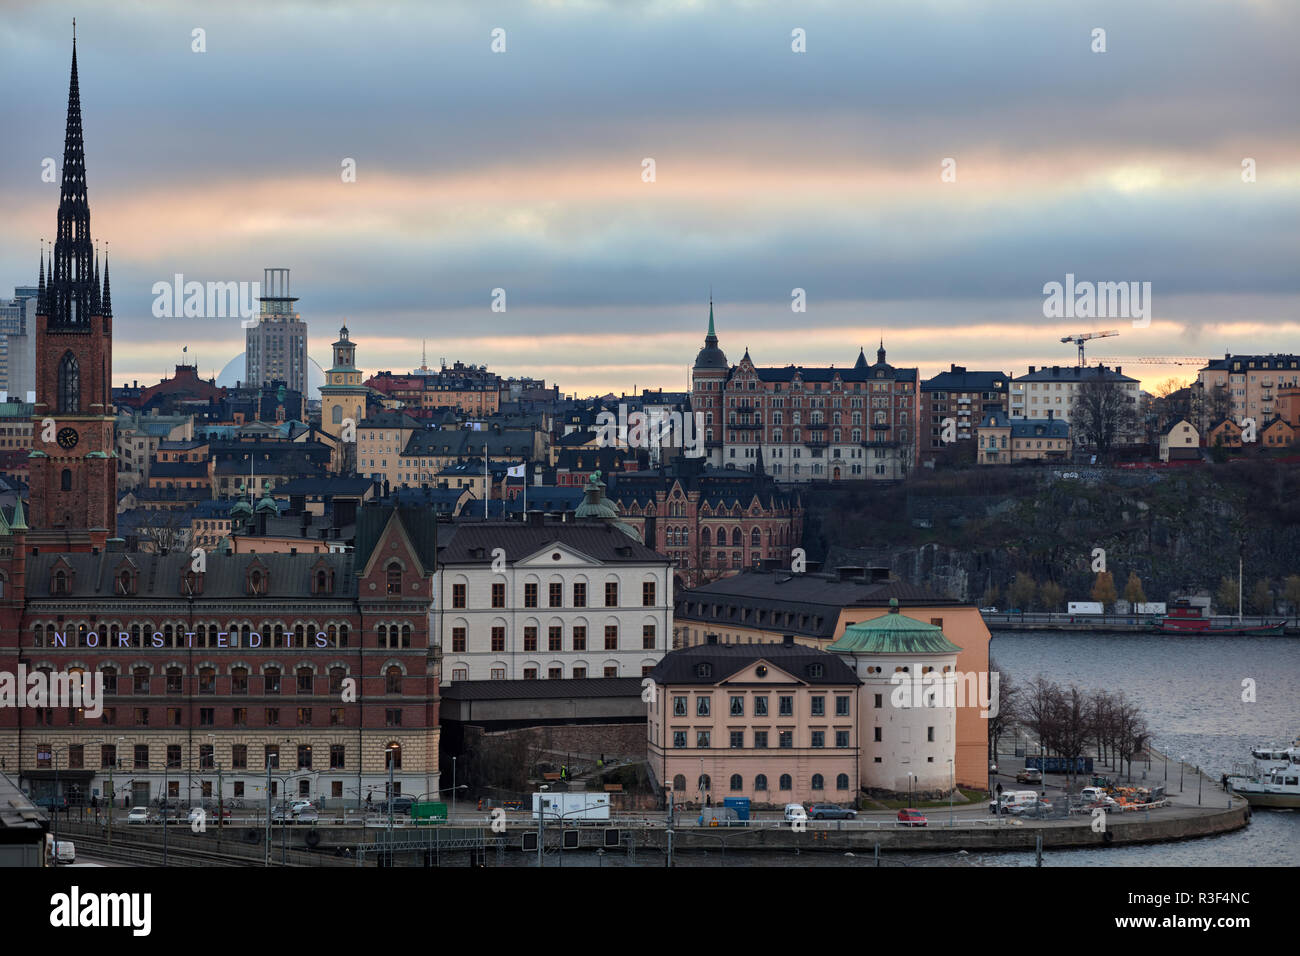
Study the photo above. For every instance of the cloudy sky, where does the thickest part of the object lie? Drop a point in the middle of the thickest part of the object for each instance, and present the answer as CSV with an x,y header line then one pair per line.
x,y
774,170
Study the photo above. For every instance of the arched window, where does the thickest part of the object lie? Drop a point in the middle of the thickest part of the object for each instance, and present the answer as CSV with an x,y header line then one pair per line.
x,y
842,782
785,781
818,782
393,680
736,783
736,538
69,384
706,538
755,538
679,782
322,581
336,415
394,576
760,783
383,635
705,782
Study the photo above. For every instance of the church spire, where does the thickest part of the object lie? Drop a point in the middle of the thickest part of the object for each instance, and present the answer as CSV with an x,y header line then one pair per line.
x,y
107,304
40,290
71,269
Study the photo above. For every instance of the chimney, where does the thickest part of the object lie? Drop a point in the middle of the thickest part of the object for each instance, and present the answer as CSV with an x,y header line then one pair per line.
x,y
1118,369
1031,370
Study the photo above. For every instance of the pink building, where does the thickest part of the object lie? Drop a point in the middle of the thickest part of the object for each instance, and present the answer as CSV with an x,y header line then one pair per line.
x,y
775,723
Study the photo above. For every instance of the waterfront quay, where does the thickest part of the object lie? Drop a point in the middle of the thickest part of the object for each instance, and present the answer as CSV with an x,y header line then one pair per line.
x,y
1197,806
1118,623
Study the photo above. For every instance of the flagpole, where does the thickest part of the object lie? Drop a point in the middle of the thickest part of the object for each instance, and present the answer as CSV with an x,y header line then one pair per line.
x,y
487,482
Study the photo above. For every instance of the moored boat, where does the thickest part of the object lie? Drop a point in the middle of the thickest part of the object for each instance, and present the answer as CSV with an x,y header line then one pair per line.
x,y
1187,618
1277,788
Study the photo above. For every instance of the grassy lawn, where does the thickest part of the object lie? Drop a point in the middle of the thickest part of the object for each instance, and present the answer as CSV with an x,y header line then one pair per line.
x,y
972,796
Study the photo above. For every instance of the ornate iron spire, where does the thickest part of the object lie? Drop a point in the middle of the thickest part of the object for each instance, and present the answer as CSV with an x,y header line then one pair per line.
x,y
71,269
40,291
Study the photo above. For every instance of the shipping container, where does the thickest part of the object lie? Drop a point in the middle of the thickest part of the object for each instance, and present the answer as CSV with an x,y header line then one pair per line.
x,y
740,805
571,806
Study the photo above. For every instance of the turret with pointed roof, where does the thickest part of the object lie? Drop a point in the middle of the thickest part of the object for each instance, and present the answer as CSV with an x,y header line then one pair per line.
x,y
711,357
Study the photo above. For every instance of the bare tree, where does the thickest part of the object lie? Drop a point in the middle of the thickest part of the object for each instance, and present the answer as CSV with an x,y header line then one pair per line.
x,y
1007,716
1103,412
165,531
1073,728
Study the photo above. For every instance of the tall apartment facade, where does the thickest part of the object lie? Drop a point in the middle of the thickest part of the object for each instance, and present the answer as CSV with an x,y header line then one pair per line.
x,y
1253,385
807,424
964,397
275,348
18,342
1052,391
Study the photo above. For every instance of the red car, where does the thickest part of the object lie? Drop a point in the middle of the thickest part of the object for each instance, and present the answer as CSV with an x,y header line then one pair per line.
x,y
911,818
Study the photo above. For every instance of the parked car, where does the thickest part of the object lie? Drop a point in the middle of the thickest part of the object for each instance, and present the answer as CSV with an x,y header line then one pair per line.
x,y
1030,775
197,814
830,811
62,851
307,814
400,805
281,814
299,805
988,610
795,811
139,815
912,818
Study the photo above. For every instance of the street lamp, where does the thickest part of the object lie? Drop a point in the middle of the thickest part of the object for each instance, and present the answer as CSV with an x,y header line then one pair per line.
x,y
54,810
952,785
1181,761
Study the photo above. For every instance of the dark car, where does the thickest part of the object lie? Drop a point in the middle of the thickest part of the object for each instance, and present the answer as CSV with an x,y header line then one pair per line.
x,y
400,805
830,811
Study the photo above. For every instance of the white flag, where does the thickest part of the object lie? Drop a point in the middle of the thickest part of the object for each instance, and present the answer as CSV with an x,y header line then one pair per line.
x,y
516,472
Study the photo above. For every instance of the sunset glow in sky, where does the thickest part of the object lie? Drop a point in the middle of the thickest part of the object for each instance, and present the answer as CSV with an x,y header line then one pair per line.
x,y
775,170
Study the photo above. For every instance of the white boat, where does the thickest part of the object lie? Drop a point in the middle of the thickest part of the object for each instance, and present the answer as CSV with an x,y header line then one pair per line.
x,y
1277,753
1278,787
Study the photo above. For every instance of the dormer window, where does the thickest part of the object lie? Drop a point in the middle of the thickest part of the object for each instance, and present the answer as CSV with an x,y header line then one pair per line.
x,y
257,581
815,670
704,670
59,583
124,583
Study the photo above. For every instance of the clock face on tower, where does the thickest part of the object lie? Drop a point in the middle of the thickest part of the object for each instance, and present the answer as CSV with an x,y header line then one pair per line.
x,y
68,438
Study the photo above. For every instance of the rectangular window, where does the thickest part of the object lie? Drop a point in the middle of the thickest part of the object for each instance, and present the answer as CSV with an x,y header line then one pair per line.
x,y
648,594
458,640
271,755
173,716
555,595
458,595
392,717
737,739
611,671
819,706
337,756
498,639
141,756
239,717
107,756
336,717
142,716
579,673
239,757
579,638
736,706
760,706
499,594
273,716
239,681
929,734
530,594
611,637
530,673
841,738
702,739
304,716
207,716
877,701
304,756
554,673
530,639
272,680
703,705
579,594
647,637
877,735
679,739
760,739
786,739
679,706
819,738
555,638
611,594
785,706
841,706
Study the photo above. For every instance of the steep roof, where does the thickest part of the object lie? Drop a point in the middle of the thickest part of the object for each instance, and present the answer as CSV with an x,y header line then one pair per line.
x,y
725,660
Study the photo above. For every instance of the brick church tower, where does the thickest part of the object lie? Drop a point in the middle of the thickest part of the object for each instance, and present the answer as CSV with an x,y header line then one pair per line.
x,y
73,467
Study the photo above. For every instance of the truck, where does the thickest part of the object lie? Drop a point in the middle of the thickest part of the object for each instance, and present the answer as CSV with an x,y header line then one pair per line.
x,y
740,805
1085,607
579,805
1013,798
1151,607
425,813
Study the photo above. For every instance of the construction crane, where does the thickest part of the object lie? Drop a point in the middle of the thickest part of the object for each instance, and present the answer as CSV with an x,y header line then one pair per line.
x,y
1085,336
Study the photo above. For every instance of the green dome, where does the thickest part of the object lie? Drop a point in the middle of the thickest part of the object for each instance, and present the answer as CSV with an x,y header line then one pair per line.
x,y
594,503
268,505
894,633
241,509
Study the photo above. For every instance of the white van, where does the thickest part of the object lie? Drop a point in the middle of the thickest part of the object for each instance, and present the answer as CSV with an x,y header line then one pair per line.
x,y
1022,799
795,811
61,852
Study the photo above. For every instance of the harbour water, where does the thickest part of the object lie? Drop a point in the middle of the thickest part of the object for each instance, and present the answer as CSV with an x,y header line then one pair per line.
x,y
1190,690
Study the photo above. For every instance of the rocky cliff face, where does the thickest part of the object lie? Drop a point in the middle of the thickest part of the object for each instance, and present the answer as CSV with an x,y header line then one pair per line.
x,y
1179,531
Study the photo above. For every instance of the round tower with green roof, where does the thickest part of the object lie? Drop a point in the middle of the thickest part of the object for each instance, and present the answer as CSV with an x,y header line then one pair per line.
x,y
907,714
